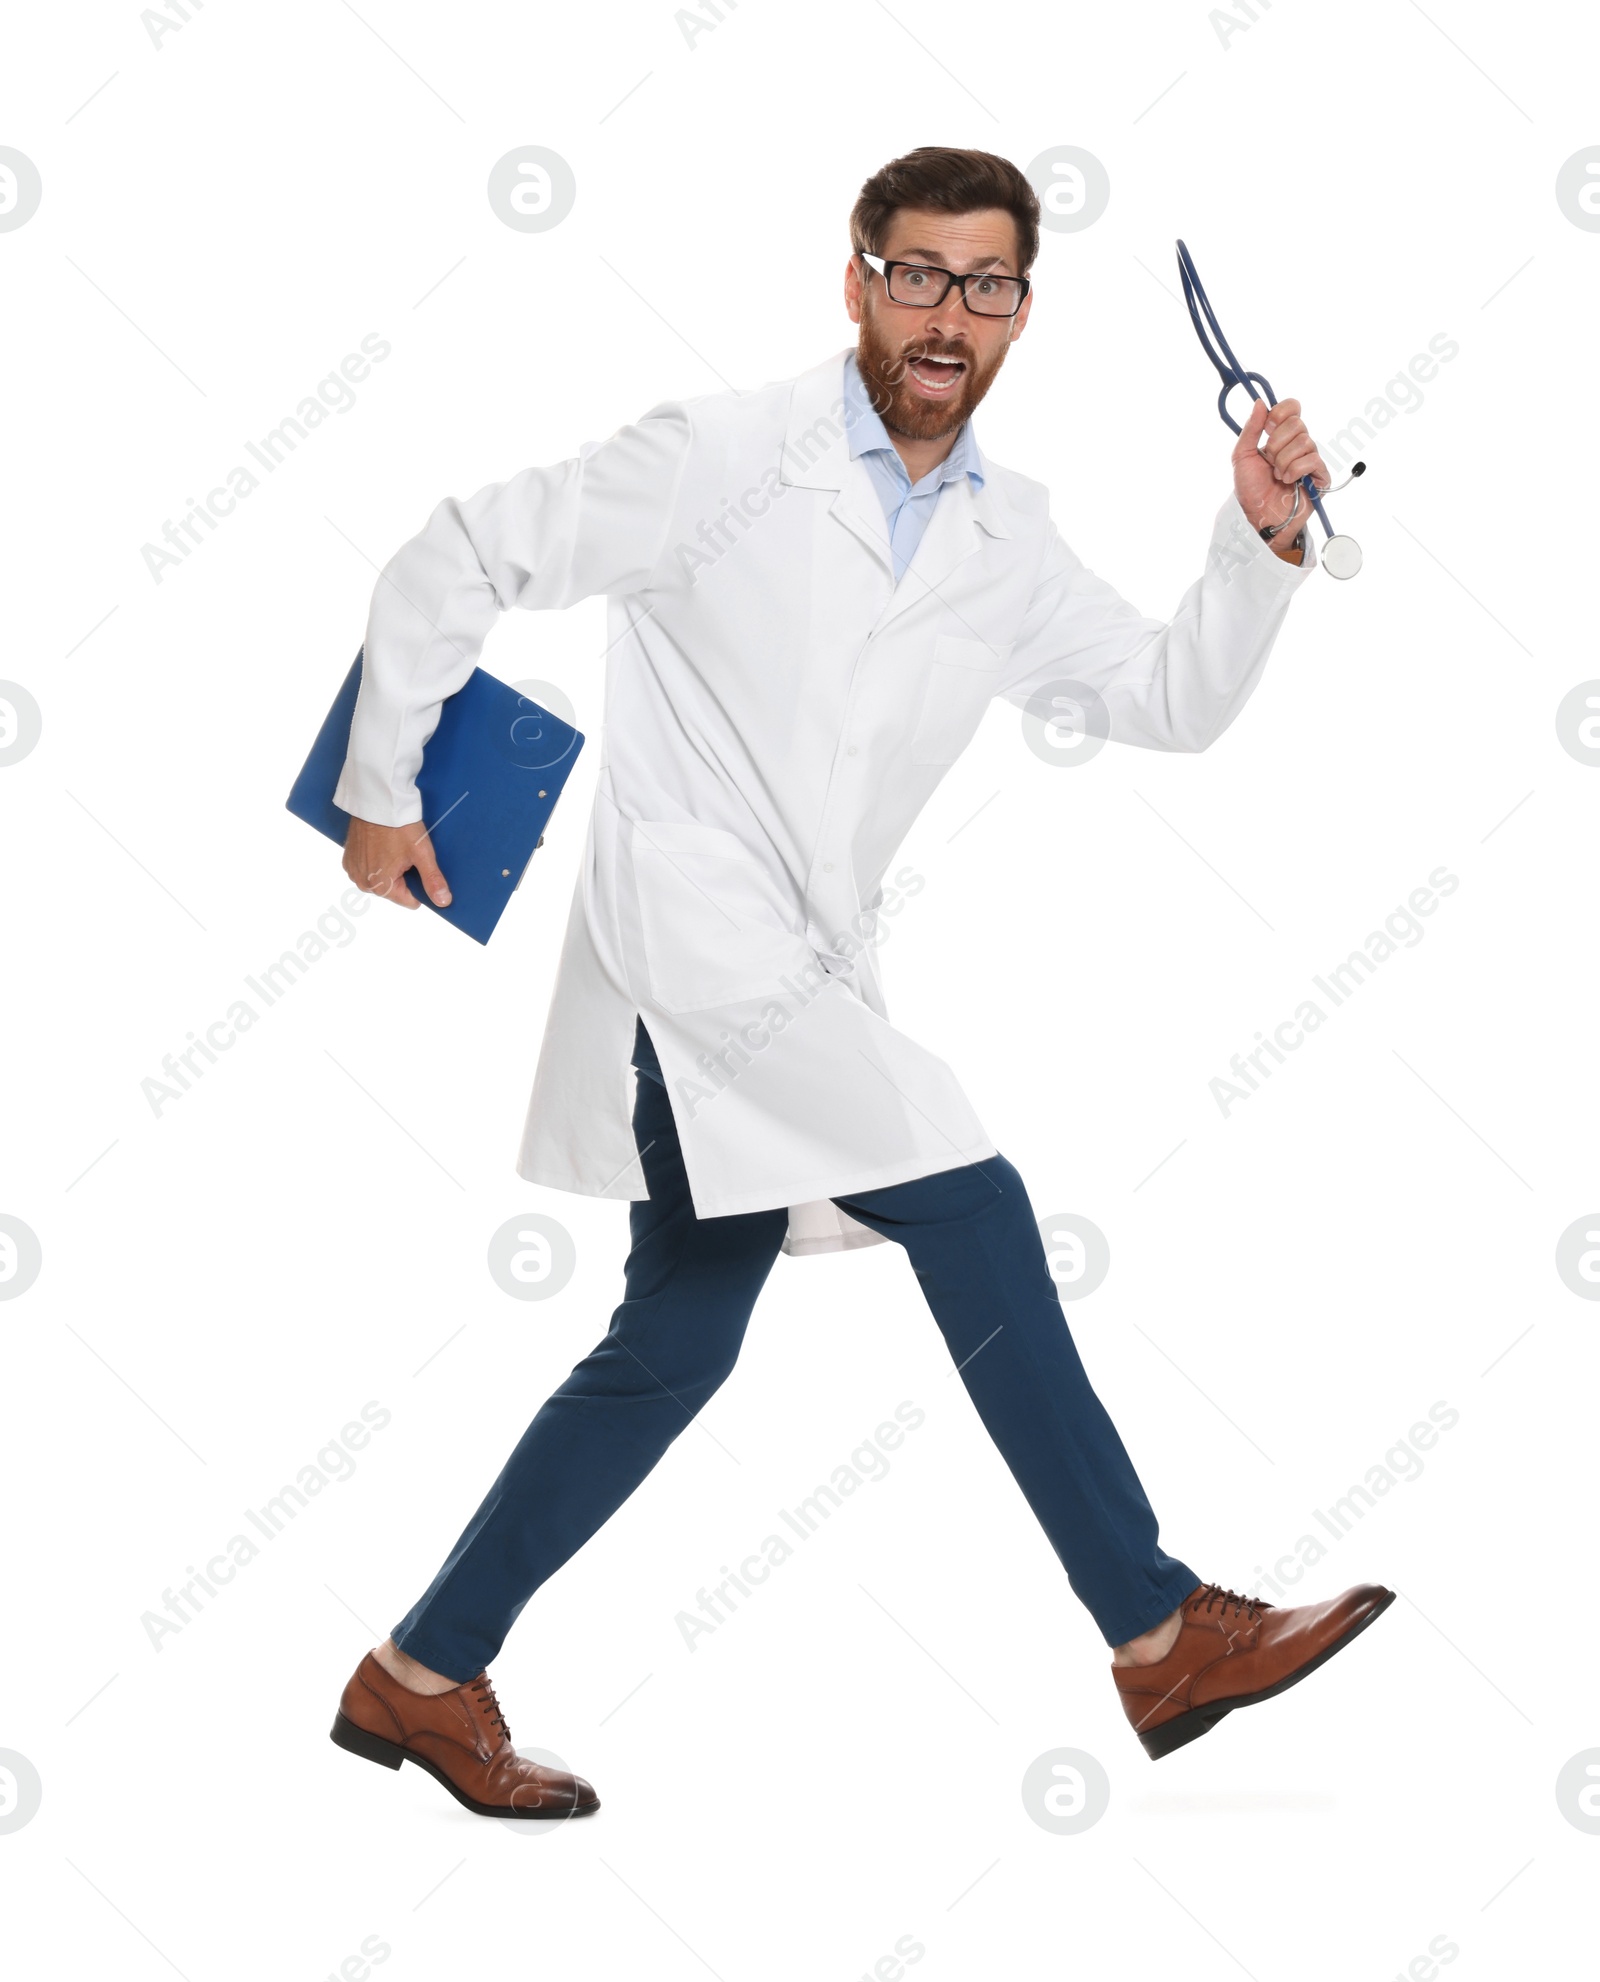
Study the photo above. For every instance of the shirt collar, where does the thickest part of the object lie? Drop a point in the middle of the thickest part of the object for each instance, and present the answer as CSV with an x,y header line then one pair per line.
x,y
867,434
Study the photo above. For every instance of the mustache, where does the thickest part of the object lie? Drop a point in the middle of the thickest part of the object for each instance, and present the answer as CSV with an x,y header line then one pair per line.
x,y
891,369
922,347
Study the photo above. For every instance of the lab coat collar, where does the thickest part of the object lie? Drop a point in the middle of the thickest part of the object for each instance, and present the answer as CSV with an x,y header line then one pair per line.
x,y
816,455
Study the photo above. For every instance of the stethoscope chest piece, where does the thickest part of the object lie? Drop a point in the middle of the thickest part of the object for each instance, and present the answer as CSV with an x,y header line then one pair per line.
x,y
1341,557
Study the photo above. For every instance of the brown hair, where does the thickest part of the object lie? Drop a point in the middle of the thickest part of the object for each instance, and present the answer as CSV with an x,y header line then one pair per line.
x,y
950,182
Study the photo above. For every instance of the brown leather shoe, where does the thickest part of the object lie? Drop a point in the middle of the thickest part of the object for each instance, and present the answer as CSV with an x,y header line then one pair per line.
x,y
1232,1651
460,1738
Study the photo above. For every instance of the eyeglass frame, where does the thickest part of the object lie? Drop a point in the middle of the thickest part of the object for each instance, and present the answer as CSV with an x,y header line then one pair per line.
x,y
952,280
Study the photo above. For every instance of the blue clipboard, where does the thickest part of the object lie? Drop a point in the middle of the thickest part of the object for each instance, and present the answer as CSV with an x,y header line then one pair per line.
x,y
491,775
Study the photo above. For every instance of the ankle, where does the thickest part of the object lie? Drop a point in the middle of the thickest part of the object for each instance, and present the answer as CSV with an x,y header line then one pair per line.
x,y
409,1672
1151,1646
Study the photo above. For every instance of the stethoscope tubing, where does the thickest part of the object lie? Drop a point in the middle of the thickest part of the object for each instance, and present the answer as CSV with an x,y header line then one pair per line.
x,y
1232,373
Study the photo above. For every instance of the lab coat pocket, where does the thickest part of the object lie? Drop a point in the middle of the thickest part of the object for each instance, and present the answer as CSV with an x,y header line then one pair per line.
x,y
960,687
712,924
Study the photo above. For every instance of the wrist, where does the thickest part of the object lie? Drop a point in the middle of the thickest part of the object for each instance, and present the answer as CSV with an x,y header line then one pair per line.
x,y
1292,551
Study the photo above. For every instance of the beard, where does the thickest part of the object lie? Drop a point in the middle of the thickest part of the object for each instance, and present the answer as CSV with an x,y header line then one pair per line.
x,y
884,362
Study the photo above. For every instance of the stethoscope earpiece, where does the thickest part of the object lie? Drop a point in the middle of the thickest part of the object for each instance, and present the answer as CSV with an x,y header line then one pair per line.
x,y
1359,469
1341,556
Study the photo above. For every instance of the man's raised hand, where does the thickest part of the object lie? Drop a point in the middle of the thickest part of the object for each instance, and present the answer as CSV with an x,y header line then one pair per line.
x,y
1271,455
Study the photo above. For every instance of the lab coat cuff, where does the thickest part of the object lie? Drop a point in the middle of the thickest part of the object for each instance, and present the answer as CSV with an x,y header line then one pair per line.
x,y
365,798
1234,527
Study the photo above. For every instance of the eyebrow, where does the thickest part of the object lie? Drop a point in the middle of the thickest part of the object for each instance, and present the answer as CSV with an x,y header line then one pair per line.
x,y
931,255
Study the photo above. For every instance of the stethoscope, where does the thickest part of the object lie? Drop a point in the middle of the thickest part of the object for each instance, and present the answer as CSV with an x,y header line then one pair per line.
x,y
1341,556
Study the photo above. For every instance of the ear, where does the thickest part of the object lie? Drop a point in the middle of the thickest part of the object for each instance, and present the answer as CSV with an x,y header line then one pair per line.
x,y
853,289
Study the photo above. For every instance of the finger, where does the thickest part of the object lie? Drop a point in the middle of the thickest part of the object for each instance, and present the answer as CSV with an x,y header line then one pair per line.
x,y
1305,462
1278,448
1279,440
428,871
1318,470
1285,458
393,888
1250,433
1283,420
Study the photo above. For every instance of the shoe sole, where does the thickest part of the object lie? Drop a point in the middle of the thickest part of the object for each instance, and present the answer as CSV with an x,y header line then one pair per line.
x,y
1187,1727
389,1755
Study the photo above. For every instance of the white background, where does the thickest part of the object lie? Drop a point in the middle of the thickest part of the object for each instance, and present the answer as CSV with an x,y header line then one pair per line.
x,y
225,1285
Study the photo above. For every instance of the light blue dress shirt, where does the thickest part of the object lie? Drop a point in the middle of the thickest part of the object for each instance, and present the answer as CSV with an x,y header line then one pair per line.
x,y
907,506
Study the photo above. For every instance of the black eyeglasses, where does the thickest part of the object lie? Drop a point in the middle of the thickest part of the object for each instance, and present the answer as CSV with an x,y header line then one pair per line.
x,y
921,287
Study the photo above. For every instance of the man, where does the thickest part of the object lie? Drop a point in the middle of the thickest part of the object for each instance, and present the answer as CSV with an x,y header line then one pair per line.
x,y
815,590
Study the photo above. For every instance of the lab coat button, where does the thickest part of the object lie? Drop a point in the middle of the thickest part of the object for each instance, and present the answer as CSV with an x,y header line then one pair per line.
x,y
827,867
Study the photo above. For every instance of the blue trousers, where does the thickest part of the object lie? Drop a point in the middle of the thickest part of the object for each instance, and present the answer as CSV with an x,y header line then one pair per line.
x,y
691,1283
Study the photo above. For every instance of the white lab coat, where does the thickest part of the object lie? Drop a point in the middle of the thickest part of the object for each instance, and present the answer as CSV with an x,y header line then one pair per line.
x,y
777,713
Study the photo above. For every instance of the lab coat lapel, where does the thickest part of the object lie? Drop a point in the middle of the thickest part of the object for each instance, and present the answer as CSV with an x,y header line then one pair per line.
x,y
949,540
816,455
962,518
859,507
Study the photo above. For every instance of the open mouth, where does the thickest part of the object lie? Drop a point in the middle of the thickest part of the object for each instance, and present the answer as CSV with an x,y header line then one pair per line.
x,y
937,375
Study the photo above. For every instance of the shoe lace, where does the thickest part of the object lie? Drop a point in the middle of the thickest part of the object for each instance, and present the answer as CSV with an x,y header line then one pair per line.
x,y
1214,1593
489,1704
